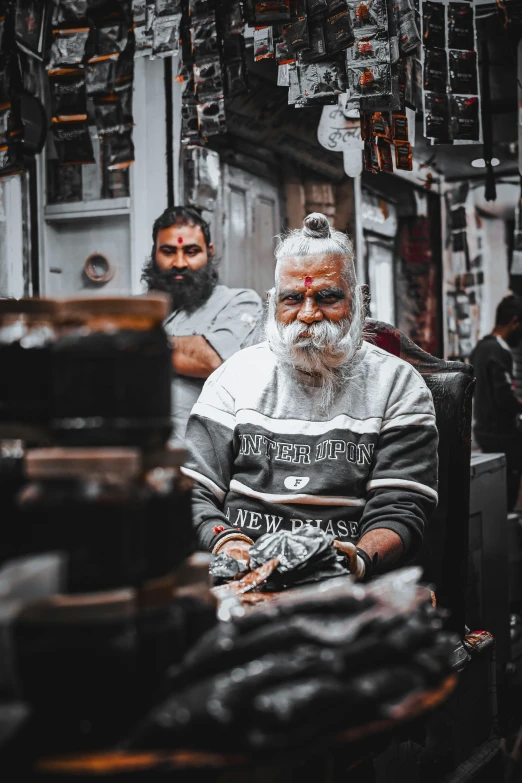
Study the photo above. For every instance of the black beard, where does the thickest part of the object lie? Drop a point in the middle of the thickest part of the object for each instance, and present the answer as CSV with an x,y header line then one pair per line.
x,y
187,294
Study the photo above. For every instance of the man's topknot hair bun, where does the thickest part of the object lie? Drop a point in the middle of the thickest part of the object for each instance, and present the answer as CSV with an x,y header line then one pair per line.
x,y
316,226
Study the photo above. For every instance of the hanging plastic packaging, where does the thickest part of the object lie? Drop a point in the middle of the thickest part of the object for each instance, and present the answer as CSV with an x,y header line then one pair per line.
x,y
68,95
435,70
463,72
461,26
464,118
263,43
211,116
166,35
68,47
434,27
73,143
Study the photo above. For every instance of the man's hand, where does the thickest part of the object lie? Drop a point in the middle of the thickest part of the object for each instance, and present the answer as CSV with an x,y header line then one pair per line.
x,y
355,563
239,550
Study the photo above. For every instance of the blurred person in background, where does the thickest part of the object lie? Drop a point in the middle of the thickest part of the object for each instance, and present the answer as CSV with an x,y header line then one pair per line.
x,y
496,406
209,322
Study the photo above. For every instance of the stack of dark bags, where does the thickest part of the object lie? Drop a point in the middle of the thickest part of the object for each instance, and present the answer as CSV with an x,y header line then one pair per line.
x,y
303,557
303,666
100,589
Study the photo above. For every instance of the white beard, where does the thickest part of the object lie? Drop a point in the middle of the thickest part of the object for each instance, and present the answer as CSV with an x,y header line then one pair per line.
x,y
328,353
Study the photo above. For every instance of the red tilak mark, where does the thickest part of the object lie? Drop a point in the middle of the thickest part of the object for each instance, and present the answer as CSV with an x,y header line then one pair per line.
x,y
180,240
308,282
218,529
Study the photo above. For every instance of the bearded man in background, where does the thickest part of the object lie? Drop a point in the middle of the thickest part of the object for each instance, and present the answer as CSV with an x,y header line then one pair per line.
x,y
315,426
208,322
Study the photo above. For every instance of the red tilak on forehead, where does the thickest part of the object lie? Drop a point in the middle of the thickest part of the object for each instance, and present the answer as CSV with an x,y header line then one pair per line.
x,y
180,240
308,282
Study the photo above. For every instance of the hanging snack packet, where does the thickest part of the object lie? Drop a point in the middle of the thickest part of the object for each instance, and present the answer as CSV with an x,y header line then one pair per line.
x,y
118,151
320,83
124,92
370,157
399,127
317,45
11,159
460,26
366,125
100,74
165,35
208,78
211,116
464,118
283,78
316,7
403,157
189,120
73,143
111,37
236,74
143,38
69,11
271,11
68,47
380,125
233,19
263,43
109,116
369,79
125,62
436,116
204,37
369,47
139,12
201,8
283,53
384,155
435,70
68,96
338,31
294,89
463,72
369,16
409,36
434,30
186,79
297,35
167,7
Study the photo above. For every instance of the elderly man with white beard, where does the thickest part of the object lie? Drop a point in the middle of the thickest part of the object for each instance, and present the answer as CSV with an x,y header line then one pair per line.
x,y
315,426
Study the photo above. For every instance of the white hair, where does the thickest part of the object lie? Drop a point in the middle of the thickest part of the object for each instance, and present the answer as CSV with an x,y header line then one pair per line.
x,y
316,238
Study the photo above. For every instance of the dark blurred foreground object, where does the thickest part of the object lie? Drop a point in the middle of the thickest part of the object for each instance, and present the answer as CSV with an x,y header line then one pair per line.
x,y
85,372
309,663
121,518
87,665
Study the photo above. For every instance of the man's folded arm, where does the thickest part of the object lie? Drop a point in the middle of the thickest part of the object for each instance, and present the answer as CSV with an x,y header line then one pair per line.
x,y
402,486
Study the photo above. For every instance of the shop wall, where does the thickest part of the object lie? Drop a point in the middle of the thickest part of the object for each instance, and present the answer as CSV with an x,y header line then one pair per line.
x,y
476,264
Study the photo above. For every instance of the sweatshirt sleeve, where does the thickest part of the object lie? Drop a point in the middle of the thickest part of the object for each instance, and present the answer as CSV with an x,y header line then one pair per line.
x,y
402,486
209,442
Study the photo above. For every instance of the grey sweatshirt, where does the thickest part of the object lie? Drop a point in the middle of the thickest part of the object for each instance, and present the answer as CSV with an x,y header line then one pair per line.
x,y
264,458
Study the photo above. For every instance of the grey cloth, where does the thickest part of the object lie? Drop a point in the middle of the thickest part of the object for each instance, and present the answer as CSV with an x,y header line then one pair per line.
x,y
229,320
